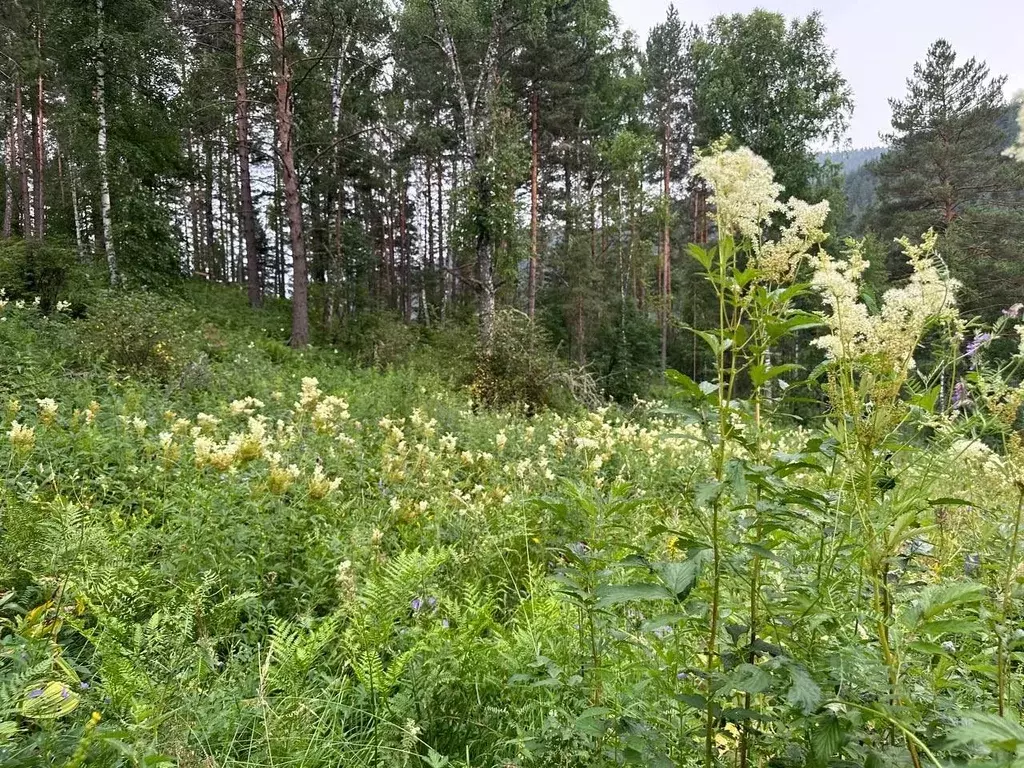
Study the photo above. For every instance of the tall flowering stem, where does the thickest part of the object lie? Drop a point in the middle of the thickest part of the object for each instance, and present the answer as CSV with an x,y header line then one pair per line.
x,y
749,274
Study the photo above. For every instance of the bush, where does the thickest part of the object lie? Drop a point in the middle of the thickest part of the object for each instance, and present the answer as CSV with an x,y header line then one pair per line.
x,y
142,334
523,369
30,268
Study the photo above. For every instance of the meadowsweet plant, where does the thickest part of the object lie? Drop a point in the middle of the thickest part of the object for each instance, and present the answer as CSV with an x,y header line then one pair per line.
x,y
751,274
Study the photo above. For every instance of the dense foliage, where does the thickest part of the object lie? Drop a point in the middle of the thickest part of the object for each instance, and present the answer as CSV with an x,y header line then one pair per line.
x,y
556,424
221,551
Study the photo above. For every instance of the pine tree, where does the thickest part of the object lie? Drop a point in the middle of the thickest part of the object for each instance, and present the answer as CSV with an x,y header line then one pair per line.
x,y
945,169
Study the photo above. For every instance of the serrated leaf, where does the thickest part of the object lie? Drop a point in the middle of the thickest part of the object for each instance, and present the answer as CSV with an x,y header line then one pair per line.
x,y
990,730
827,737
804,693
749,678
613,594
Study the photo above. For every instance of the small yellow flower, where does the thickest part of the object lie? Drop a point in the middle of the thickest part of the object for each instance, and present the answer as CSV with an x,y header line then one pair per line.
x,y
23,438
47,410
320,486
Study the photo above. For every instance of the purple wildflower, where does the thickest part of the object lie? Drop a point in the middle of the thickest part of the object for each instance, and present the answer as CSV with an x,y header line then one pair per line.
x,y
977,342
35,693
84,686
1014,311
64,692
416,604
431,602
959,394
444,623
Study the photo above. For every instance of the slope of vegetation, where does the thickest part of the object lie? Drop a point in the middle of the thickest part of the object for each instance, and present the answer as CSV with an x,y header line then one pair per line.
x,y
219,551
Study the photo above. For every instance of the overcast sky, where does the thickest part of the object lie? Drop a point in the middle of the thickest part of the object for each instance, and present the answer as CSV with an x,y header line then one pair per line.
x,y
877,41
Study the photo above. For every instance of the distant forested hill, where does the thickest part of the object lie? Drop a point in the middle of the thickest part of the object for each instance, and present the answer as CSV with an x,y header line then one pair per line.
x,y
852,160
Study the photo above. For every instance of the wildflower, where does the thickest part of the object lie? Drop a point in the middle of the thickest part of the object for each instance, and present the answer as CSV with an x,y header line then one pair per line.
x,y
203,448
23,438
743,189
960,396
416,604
63,306
329,412
320,486
890,337
501,440
35,693
280,478
19,304
1013,312
975,344
247,406
206,422
310,394
345,580
47,410
779,259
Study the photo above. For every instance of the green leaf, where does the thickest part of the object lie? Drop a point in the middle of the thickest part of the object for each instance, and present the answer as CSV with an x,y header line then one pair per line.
x,y
936,599
684,382
613,594
681,577
827,737
593,721
804,693
759,374
990,730
48,701
749,678
702,255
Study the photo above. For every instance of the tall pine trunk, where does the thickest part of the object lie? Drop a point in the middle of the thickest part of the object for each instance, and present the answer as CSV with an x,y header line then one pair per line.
x,y
39,145
101,149
292,201
534,223
666,250
19,137
9,183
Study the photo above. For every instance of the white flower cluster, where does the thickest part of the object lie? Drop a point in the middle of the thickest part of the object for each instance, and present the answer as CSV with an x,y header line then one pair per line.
x,y
779,259
746,196
891,336
247,406
743,188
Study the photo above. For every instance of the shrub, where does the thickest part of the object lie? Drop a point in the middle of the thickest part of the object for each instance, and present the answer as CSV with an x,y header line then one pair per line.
x,y
522,369
142,334
31,268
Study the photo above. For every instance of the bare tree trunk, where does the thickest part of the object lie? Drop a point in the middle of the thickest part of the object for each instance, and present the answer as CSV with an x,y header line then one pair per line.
x,y
442,256
101,148
9,183
19,135
666,251
534,223
76,212
293,203
39,147
212,260
403,229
